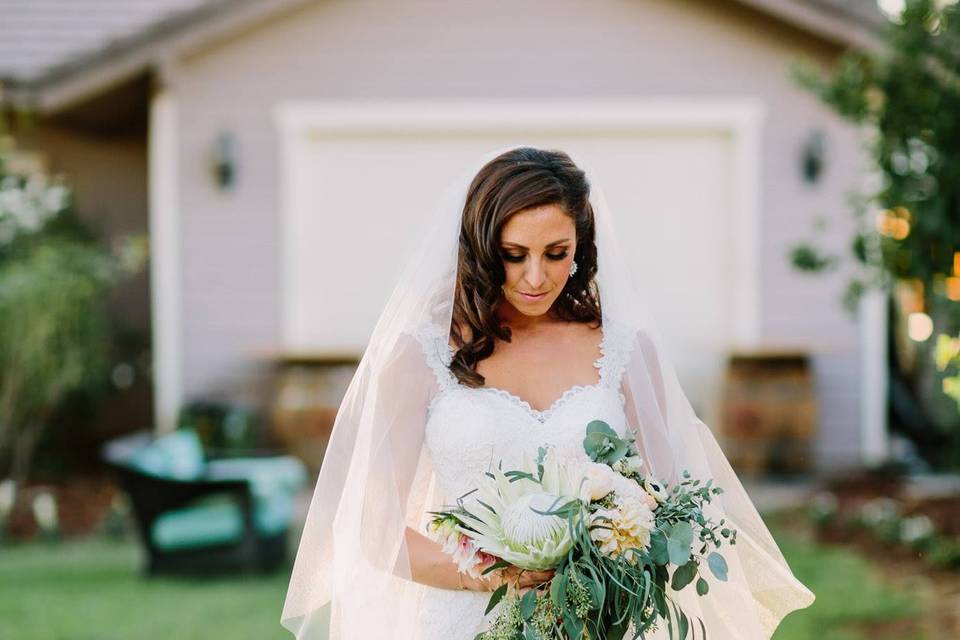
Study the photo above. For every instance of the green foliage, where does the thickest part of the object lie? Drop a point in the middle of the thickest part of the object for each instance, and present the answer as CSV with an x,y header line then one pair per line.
x,y
54,327
906,98
603,444
599,594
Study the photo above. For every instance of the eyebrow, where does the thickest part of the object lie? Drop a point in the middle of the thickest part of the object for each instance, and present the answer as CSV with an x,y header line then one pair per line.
x,y
520,246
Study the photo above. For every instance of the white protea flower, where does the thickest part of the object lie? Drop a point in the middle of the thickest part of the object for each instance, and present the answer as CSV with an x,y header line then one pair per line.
x,y
505,518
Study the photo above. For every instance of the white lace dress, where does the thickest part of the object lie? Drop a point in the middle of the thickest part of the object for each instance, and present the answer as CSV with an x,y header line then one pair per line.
x,y
470,429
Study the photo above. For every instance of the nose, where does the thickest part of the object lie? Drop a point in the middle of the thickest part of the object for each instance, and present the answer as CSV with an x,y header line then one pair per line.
x,y
535,275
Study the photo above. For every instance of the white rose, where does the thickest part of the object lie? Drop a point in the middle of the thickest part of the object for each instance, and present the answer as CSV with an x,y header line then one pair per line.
x,y
599,480
633,464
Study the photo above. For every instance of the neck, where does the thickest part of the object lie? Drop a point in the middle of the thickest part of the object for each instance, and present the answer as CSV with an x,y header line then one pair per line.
x,y
510,316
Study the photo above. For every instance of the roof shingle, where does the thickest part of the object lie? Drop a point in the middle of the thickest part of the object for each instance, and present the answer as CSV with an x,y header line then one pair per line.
x,y
39,36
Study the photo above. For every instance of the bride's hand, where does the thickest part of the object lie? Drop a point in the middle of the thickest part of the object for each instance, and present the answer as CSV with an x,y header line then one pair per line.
x,y
520,579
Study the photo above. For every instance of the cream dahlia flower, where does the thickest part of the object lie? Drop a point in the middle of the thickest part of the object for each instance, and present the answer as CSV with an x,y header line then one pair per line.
x,y
627,525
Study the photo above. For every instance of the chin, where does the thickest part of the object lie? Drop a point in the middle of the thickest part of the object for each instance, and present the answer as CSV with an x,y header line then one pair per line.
x,y
533,309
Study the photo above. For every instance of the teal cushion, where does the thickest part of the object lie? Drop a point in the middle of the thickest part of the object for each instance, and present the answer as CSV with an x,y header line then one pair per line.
x,y
218,520
202,525
177,455
269,477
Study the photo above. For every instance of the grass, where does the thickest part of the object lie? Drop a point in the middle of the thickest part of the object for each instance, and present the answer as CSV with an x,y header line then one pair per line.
x,y
850,595
91,590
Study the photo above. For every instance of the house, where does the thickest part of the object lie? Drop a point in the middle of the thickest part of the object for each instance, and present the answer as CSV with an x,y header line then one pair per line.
x,y
245,135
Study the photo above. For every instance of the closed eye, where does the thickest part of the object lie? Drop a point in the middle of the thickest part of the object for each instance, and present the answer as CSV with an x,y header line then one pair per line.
x,y
551,256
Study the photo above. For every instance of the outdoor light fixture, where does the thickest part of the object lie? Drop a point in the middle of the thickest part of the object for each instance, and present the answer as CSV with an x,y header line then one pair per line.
x,y
225,160
813,156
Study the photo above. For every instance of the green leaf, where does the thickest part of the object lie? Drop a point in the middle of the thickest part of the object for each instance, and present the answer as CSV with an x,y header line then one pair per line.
x,y
658,548
528,603
572,625
603,444
558,589
718,566
679,539
702,587
495,597
500,564
599,426
684,575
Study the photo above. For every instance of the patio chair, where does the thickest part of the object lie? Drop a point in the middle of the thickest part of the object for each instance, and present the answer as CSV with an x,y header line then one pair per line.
x,y
199,516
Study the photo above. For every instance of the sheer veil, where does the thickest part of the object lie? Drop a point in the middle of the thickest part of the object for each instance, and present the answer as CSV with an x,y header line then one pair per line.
x,y
352,572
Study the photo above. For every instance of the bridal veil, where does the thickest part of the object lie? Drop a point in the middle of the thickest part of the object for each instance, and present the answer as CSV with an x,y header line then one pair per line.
x,y
351,579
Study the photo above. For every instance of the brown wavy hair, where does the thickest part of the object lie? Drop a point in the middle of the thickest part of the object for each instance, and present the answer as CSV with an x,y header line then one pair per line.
x,y
519,179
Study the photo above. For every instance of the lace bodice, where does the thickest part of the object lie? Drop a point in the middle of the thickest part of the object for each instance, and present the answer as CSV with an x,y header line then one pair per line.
x,y
469,430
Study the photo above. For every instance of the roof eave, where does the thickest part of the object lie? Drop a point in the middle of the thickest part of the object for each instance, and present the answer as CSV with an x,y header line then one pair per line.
x,y
826,22
153,49
163,43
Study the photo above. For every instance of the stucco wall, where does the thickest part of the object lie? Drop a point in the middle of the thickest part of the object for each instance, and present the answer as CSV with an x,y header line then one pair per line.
x,y
529,49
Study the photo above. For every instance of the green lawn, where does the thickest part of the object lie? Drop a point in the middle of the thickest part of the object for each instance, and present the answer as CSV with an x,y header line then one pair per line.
x,y
848,594
91,590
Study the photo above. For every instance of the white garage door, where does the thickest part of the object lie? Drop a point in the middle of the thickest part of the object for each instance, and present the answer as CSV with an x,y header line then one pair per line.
x,y
358,184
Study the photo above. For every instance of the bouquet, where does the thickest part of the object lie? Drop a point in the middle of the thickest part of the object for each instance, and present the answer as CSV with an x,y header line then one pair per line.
x,y
615,537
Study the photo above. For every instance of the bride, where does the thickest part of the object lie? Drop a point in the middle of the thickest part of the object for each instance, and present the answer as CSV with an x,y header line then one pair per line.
x,y
514,325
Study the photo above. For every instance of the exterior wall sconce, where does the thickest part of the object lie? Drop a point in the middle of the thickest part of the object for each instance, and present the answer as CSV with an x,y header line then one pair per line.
x,y
812,157
225,161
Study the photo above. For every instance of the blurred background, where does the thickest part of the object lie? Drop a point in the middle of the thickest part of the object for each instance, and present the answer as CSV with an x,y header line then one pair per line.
x,y
186,186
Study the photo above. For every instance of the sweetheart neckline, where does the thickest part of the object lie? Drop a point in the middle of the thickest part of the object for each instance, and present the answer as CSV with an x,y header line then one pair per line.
x,y
609,365
540,415
543,415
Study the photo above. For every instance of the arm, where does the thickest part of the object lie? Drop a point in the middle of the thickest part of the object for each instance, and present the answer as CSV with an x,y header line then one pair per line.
x,y
431,566
407,386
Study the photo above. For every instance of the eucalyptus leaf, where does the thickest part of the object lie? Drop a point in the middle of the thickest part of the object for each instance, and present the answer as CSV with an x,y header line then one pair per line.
x,y
702,587
528,603
658,548
679,539
684,575
599,426
718,566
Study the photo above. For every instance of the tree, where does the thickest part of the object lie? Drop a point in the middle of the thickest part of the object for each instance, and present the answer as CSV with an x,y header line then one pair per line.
x,y
906,99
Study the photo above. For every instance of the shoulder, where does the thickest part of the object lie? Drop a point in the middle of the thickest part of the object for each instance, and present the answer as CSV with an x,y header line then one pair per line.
x,y
433,344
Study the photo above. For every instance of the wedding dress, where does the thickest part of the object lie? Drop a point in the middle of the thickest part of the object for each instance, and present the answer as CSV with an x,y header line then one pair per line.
x,y
468,430
409,438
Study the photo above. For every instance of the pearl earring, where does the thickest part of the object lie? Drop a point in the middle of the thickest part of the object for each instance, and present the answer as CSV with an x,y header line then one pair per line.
x,y
573,267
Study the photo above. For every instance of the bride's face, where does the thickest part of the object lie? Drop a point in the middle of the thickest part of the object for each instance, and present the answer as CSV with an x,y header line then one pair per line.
x,y
537,246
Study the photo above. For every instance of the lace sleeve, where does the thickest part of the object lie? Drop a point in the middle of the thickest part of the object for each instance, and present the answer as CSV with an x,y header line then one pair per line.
x,y
437,353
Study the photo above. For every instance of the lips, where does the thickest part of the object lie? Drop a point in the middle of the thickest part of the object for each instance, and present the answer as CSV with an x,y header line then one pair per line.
x,y
533,296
